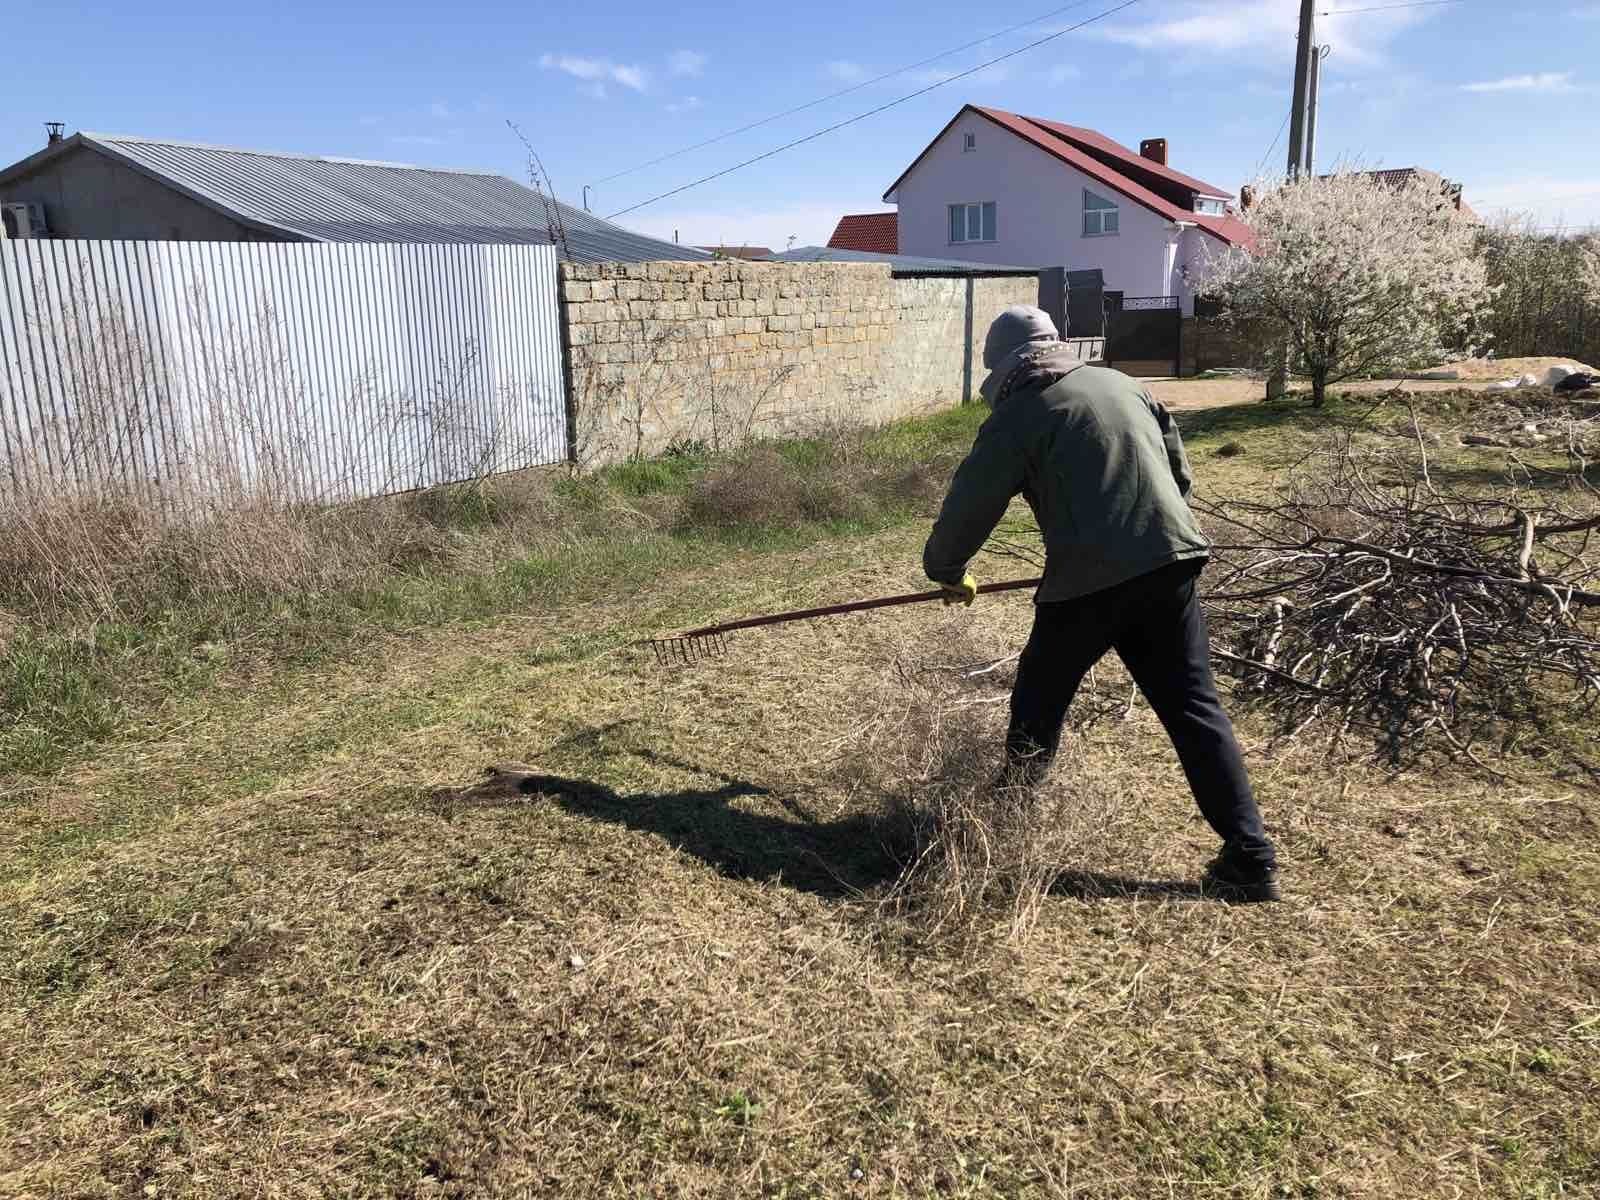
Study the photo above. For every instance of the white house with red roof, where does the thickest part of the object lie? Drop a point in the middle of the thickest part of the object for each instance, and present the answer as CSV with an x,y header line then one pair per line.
x,y
1002,188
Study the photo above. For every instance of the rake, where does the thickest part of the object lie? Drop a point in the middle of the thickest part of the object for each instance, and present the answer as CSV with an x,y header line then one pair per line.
x,y
712,640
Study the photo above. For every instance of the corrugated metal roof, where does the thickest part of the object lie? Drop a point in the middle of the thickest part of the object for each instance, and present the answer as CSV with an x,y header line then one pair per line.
x,y
356,200
905,264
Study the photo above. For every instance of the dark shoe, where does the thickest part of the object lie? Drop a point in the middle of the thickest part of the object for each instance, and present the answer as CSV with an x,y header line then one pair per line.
x,y
1234,883
1021,774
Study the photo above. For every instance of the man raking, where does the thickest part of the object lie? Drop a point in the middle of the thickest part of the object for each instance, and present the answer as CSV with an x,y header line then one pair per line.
x,y
1103,468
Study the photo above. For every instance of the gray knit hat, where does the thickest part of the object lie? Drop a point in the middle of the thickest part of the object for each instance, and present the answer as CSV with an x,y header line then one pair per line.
x,y
1016,326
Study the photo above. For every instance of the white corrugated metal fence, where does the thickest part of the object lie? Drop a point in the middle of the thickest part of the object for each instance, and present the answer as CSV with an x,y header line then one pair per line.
x,y
277,372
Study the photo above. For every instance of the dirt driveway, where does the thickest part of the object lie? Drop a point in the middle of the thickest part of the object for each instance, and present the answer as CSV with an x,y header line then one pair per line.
x,y
1474,373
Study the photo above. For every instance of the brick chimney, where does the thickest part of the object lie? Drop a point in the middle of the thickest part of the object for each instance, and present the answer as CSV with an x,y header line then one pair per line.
x,y
1155,149
54,132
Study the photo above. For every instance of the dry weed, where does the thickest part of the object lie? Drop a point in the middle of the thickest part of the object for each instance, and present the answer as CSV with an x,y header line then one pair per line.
x,y
980,855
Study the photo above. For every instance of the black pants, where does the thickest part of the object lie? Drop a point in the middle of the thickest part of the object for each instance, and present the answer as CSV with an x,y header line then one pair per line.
x,y
1156,625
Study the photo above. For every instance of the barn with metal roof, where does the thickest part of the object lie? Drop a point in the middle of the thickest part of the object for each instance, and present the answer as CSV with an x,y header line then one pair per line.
x,y
94,185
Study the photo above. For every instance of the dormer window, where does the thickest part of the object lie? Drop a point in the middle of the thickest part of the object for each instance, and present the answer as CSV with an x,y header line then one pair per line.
x,y
1209,207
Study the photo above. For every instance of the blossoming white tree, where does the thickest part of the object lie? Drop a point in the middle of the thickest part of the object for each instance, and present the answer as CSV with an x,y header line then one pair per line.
x,y
1356,275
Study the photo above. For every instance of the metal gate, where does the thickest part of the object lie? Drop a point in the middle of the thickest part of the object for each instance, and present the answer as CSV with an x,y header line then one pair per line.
x,y
1144,333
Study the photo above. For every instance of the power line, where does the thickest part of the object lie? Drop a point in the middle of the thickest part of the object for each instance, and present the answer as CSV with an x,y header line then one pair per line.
x,y
872,112
855,87
1262,165
1340,12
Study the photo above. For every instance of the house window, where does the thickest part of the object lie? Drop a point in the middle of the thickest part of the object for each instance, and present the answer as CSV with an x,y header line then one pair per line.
x,y
972,222
1211,208
969,141
1099,215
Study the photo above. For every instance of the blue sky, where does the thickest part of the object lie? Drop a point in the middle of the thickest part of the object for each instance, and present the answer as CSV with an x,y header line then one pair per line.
x,y
1500,97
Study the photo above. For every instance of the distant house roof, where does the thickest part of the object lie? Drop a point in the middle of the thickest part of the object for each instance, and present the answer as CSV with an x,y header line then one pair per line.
x,y
1400,176
750,252
1162,190
876,232
904,264
307,198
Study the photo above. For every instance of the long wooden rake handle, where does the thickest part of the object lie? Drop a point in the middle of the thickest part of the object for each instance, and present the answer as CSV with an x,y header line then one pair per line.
x,y
834,610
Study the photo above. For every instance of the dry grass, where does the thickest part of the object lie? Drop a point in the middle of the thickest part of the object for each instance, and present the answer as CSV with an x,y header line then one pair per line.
x,y
1492,369
284,944
978,855
112,606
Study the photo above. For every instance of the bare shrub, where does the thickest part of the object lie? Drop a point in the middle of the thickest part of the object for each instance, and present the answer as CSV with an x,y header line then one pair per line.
x,y
762,487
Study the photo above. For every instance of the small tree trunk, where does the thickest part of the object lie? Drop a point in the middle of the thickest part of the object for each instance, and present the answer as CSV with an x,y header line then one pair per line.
x,y
1319,386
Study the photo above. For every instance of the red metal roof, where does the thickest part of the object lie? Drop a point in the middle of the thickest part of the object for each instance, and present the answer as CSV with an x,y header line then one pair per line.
x,y
1053,138
878,233
1134,163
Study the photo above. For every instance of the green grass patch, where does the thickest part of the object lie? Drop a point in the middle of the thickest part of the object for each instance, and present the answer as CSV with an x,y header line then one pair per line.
x,y
71,680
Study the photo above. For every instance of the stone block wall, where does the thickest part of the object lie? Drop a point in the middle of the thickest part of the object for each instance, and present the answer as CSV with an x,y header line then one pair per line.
x,y
716,352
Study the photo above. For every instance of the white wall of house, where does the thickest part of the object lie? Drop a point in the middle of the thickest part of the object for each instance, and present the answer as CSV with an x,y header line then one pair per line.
x,y
1193,249
1039,213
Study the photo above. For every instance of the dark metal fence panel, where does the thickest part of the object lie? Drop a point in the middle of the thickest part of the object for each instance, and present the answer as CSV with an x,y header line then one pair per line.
x,y
1144,329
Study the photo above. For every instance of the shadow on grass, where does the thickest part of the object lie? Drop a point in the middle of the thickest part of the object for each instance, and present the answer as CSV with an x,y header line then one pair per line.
x,y
837,860
832,859
1294,414
1495,477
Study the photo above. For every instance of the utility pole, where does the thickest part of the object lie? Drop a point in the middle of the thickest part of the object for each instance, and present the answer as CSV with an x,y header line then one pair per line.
x,y
1320,53
1304,52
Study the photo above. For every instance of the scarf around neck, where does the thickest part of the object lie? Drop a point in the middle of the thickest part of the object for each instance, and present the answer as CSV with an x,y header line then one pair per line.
x,y
1031,364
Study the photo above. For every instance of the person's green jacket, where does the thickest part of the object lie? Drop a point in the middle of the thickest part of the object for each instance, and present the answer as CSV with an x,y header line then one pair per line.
x,y
1100,463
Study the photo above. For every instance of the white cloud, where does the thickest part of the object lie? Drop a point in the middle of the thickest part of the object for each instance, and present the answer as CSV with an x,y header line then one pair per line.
x,y
1587,12
1267,26
686,62
811,224
1572,203
597,71
687,104
846,71
1544,81
441,110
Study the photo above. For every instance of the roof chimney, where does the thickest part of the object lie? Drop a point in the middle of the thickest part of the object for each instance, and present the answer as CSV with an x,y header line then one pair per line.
x,y
1155,149
54,130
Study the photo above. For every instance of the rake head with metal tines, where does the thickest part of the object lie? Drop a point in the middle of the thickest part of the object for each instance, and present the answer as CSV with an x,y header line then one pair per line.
x,y
712,642
690,648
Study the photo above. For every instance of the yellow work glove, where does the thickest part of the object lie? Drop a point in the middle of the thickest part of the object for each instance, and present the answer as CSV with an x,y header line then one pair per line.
x,y
963,593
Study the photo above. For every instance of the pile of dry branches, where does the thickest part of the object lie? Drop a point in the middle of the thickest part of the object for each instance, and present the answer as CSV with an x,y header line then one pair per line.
x,y
1365,596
